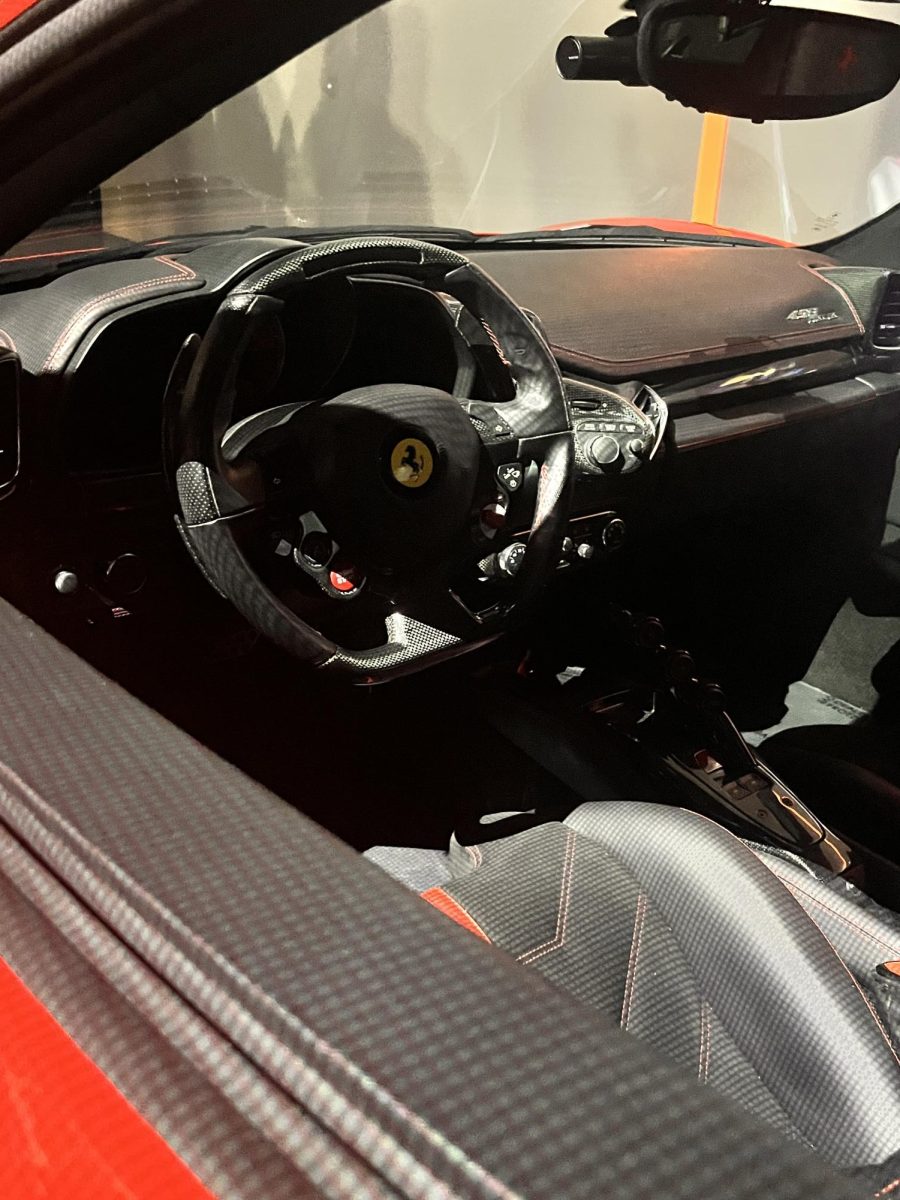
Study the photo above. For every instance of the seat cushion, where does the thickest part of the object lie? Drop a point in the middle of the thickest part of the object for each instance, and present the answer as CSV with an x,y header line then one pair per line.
x,y
666,922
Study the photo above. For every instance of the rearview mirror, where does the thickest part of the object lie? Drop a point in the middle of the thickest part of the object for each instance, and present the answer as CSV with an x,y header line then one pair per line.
x,y
767,64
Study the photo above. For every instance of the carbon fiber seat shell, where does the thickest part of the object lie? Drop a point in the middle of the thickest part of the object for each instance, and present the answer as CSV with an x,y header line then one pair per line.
x,y
741,967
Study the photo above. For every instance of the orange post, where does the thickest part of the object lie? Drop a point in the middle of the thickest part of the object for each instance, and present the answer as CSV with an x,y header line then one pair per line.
x,y
710,165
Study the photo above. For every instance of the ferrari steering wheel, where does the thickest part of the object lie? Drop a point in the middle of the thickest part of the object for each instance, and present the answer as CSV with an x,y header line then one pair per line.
x,y
403,476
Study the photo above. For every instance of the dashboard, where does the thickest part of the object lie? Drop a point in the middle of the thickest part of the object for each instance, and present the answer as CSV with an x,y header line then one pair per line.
x,y
369,333
705,383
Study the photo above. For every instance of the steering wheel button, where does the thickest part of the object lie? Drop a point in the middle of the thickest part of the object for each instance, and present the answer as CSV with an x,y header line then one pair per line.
x,y
511,476
614,534
493,516
341,583
510,559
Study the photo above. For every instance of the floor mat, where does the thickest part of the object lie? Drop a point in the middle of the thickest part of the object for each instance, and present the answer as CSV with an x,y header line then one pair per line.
x,y
808,705
852,647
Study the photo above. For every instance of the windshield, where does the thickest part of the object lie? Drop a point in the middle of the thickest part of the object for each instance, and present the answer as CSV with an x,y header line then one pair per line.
x,y
451,113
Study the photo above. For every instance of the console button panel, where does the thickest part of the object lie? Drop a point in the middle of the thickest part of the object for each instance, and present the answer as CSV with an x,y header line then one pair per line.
x,y
615,435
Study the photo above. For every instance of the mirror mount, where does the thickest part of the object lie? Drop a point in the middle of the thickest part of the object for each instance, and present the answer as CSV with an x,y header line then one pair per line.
x,y
744,58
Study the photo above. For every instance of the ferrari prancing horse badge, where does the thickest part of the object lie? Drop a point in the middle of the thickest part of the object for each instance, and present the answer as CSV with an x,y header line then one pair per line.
x,y
412,463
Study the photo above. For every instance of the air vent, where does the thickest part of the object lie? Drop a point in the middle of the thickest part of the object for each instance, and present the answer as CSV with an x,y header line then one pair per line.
x,y
646,399
886,335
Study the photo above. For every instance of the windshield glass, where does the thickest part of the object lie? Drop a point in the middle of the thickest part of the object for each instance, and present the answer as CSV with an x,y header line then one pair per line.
x,y
451,113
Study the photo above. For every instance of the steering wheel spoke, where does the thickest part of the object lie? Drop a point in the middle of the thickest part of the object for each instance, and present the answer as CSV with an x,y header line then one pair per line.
x,y
262,434
319,556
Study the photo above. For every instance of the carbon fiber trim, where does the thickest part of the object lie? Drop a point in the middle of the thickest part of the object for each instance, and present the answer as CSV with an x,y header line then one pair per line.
x,y
195,557
748,295
58,318
862,284
537,408
195,494
233,576
665,922
222,1117
406,641
289,271
438,1064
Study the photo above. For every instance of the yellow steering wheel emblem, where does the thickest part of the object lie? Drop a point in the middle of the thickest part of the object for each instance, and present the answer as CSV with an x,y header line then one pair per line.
x,y
412,463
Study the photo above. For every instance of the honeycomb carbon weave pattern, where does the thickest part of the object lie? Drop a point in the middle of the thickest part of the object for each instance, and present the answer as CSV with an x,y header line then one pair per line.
x,y
748,294
406,640
195,493
864,286
436,1060
667,923
292,269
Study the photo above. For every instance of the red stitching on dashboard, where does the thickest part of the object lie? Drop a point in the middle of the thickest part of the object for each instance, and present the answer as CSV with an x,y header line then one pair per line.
x,y
837,287
53,254
182,274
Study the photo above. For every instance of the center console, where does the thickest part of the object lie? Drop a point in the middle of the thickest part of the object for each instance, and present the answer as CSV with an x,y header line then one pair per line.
x,y
619,437
645,725
678,726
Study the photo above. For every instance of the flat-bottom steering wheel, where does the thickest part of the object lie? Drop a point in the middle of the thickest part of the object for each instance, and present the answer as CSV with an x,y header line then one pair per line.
x,y
401,474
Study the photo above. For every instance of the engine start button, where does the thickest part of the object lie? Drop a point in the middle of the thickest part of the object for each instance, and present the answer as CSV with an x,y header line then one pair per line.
x,y
341,583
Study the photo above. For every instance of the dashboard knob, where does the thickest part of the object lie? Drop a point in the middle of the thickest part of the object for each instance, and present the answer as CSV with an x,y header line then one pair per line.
x,y
66,582
606,453
614,534
650,633
509,560
680,667
125,575
585,551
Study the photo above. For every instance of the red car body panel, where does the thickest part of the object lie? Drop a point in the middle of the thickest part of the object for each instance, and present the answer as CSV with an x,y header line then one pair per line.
x,y
10,9
669,225
67,1132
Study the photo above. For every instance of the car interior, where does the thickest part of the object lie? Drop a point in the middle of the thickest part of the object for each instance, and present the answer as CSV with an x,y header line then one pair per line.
x,y
555,574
